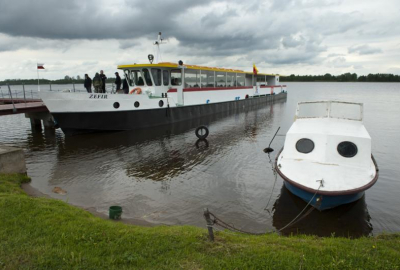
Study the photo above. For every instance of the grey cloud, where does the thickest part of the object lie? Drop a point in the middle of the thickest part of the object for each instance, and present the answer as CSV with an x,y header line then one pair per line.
x,y
335,55
292,42
298,36
339,62
213,19
126,44
74,19
364,50
302,4
8,43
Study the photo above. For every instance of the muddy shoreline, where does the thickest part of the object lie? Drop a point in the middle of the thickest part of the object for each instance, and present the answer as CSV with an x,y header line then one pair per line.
x,y
33,192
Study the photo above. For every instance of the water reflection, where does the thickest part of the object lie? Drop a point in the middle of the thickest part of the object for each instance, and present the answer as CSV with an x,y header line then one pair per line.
x,y
161,176
350,220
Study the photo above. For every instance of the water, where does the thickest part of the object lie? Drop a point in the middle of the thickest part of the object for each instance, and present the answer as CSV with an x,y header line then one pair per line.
x,y
161,176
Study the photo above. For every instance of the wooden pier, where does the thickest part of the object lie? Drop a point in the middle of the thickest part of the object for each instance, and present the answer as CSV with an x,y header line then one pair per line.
x,y
34,109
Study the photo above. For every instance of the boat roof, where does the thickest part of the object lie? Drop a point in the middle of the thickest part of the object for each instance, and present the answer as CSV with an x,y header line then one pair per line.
x,y
174,65
330,109
329,126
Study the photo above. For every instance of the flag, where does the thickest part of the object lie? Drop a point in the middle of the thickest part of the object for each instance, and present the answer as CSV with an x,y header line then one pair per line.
x,y
255,70
40,66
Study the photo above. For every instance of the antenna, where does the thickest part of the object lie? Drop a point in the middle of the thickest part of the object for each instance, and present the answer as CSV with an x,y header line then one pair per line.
x,y
158,42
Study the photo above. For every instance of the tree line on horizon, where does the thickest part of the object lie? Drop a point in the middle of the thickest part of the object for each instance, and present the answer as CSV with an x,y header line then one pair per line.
x,y
66,80
346,77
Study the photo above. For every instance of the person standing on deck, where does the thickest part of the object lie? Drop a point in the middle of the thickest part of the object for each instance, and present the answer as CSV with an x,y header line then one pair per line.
x,y
125,85
97,83
103,79
88,83
117,81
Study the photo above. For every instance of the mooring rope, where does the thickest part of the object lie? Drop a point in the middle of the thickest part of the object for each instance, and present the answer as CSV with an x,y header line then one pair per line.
x,y
219,222
273,187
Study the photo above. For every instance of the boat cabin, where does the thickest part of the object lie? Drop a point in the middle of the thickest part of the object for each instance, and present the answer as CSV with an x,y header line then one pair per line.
x,y
158,79
329,133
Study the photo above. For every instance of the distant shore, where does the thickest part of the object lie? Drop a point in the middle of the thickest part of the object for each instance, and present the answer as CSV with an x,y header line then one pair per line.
x,y
346,77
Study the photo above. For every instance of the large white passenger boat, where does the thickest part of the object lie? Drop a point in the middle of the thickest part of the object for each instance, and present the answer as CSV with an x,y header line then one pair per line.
x,y
162,93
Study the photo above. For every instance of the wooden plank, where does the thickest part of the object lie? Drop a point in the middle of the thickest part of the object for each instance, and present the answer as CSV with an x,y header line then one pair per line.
x,y
18,100
8,109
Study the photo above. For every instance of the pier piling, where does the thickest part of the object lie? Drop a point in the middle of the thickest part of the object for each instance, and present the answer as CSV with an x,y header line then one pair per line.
x,y
36,119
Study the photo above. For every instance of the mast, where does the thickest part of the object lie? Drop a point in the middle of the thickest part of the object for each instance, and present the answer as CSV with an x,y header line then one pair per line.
x,y
157,43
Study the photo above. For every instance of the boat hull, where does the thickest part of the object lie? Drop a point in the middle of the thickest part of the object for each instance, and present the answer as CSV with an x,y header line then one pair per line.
x,y
323,202
81,122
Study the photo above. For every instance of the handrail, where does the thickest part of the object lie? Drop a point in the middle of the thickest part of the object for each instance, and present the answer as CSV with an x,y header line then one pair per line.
x,y
329,109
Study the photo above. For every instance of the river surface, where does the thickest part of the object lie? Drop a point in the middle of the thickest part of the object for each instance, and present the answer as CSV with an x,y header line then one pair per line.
x,y
164,176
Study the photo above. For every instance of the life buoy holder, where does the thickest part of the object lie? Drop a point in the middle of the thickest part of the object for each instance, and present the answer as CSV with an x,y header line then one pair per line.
x,y
138,90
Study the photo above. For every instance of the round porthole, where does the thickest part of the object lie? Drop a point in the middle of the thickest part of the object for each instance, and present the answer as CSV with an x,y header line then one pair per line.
x,y
137,104
116,105
161,103
305,146
347,149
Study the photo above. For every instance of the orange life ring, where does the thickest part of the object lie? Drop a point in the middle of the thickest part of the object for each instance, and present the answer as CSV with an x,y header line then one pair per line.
x,y
138,90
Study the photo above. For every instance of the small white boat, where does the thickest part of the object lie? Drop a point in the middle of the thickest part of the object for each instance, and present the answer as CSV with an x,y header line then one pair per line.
x,y
326,159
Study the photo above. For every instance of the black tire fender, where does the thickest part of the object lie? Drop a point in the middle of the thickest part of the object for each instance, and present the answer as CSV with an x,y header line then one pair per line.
x,y
202,132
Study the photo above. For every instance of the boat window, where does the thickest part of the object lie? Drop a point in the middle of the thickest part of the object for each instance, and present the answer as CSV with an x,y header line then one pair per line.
x,y
210,78
136,78
240,79
203,78
220,79
347,149
176,77
129,76
147,78
261,78
192,78
156,72
165,77
305,146
230,79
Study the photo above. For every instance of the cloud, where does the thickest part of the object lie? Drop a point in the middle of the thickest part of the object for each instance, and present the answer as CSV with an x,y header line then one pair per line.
x,y
282,33
364,50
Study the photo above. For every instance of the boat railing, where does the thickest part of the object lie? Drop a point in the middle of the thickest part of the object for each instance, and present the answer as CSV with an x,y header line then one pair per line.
x,y
330,109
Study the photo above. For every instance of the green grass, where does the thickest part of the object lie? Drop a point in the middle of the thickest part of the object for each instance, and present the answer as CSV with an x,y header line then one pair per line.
x,y
50,234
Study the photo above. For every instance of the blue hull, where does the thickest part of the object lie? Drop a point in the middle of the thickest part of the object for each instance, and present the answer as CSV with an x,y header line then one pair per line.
x,y
323,202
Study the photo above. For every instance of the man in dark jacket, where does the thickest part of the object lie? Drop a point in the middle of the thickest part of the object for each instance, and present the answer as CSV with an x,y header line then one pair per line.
x,y
125,85
117,81
88,83
103,79
97,83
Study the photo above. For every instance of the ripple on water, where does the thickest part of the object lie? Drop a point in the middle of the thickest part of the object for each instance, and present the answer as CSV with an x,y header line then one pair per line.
x,y
164,175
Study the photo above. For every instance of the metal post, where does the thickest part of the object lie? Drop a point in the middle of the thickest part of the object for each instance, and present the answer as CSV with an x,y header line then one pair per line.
x,y
74,86
23,88
12,100
31,94
50,85
209,224
2,94
16,94
112,88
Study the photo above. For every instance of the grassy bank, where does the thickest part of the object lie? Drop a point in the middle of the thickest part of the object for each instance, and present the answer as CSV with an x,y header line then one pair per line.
x,y
47,233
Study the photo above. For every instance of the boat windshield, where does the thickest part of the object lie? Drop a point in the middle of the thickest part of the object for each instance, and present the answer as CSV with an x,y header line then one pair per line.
x,y
135,78
330,109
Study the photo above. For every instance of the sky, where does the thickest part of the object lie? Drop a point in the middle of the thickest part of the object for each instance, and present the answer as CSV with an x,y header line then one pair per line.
x,y
306,37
